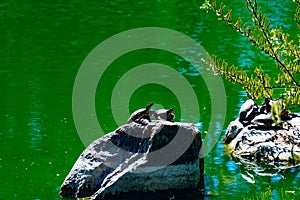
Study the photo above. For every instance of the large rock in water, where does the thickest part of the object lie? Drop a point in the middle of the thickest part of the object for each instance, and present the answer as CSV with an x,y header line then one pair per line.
x,y
259,144
161,156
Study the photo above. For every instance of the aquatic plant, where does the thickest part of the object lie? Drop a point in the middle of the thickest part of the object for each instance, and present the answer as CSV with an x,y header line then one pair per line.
x,y
274,193
271,41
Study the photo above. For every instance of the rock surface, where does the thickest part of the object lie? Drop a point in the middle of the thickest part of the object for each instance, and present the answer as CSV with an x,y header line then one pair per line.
x,y
272,146
161,156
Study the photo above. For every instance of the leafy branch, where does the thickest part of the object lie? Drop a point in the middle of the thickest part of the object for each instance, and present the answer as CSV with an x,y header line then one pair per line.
x,y
271,41
256,86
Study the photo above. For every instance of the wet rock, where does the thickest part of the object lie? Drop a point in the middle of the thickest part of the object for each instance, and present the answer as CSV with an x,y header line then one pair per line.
x,y
159,156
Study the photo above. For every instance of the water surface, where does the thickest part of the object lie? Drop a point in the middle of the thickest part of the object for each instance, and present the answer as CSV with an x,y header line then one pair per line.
x,y
43,44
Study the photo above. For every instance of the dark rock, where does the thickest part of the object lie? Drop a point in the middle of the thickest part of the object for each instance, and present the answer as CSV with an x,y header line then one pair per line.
x,y
159,156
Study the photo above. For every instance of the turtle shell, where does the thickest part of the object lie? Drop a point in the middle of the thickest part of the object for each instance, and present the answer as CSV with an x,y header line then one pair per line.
x,y
234,128
143,113
164,114
247,112
263,121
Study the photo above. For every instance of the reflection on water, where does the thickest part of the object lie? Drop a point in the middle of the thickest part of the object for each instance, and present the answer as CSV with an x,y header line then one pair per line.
x,y
42,46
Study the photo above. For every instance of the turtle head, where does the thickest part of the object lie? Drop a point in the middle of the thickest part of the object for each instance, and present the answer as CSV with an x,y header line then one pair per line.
x,y
170,114
170,111
148,107
267,100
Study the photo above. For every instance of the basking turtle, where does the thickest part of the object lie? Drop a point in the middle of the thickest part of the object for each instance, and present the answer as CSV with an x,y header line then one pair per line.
x,y
263,121
140,115
286,115
265,107
234,128
247,112
164,114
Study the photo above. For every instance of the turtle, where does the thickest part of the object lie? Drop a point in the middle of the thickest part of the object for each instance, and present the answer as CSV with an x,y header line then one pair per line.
x,y
140,115
164,114
286,115
263,121
265,107
247,112
234,128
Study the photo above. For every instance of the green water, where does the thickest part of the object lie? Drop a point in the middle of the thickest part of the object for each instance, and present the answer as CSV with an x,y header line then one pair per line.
x,y
43,44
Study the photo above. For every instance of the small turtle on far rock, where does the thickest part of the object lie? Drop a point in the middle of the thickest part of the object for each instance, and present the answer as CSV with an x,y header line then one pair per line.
x,y
164,114
247,112
234,128
142,115
263,121
265,107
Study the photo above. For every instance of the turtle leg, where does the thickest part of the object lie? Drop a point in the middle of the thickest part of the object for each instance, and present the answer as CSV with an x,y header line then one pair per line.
x,y
147,118
144,120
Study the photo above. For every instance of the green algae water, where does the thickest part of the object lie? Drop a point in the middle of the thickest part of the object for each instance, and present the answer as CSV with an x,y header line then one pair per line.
x,y
43,45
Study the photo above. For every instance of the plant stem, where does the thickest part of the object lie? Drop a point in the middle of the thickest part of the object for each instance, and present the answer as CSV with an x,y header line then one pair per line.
x,y
273,55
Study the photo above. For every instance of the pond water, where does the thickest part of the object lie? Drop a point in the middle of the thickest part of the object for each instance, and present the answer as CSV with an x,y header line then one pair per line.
x,y
43,45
